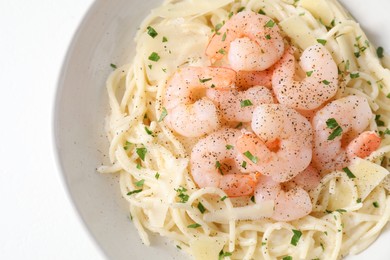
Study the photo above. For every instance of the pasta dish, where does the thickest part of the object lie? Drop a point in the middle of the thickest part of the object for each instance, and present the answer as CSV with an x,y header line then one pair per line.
x,y
253,129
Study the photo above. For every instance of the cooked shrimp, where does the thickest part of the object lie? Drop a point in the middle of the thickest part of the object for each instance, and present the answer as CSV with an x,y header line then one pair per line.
x,y
213,164
281,145
247,79
252,42
289,205
352,114
319,85
308,179
237,105
187,115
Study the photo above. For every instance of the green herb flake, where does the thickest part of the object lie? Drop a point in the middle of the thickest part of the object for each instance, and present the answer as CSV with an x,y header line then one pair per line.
x,y
150,66
127,145
218,27
309,73
243,164
246,103
222,51
375,204
269,24
113,66
332,123
359,200
178,247
140,183
224,36
242,8
253,199
141,153
196,225
378,121
337,132
230,15
379,52
388,95
154,57
261,12
157,176
250,156
341,211
268,37
222,255
229,147
201,208
148,131
295,239
322,41
133,192
217,164
322,246
164,39
287,258
182,194
239,125
152,32
164,113
138,166
354,75
204,80
223,198
326,82
349,173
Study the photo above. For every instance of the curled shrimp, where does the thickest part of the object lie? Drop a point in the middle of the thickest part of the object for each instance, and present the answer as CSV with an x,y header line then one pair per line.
x,y
308,179
213,164
319,84
352,114
281,145
289,204
252,42
189,112
237,105
248,79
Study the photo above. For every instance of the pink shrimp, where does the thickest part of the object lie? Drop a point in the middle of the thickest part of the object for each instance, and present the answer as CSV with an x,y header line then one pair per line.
x,y
247,79
308,179
339,133
237,105
289,205
319,85
281,136
187,115
213,164
252,42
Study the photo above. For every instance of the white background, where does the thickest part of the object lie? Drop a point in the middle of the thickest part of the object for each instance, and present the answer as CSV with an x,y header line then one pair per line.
x,y
37,219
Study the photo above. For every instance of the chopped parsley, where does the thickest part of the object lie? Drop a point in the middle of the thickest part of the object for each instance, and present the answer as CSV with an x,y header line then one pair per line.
x,y
246,103
251,157
295,239
375,204
253,199
242,8
354,75
269,24
341,211
182,194
164,113
152,32
201,208
140,183
196,225
138,166
222,51
388,95
322,41
378,121
268,37
223,198
164,39
243,164
349,173
359,200
218,27
157,176
223,254
224,36
287,258
150,66
141,153
133,192
113,66
379,52
148,131
127,145
229,147
217,164
326,82
261,12
332,124
178,247
154,56
239,125
204,80
308,73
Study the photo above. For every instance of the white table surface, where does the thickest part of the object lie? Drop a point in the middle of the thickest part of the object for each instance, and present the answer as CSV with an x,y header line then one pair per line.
x,y
37,219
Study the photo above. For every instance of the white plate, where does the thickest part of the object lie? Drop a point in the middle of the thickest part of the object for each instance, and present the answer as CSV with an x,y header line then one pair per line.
x,y
106,36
